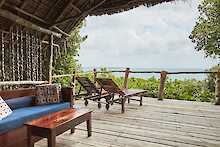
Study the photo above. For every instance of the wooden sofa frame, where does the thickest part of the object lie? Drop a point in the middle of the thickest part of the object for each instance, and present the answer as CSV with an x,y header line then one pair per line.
x,y
19,137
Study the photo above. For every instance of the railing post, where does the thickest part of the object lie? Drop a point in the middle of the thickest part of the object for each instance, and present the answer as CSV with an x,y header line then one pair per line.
x,y
51,58
95,75
126,78
217,89
163,76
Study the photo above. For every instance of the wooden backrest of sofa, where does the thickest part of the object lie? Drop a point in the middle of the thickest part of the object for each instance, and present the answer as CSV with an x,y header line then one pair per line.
x,y
9,94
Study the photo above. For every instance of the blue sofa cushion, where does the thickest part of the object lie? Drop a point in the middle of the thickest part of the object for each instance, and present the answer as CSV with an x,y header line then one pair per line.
x,y
22,115
21,102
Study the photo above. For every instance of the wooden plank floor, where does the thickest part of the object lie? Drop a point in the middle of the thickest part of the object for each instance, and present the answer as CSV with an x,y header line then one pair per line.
x,y
156,123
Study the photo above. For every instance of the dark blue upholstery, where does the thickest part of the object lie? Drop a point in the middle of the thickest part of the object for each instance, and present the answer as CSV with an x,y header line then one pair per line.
x,y
21,102
22,115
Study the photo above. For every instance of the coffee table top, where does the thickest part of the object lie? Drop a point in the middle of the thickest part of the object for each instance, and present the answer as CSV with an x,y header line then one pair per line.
x,y
57,119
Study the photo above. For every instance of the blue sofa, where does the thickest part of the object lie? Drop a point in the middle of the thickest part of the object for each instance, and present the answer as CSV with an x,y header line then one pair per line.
x,y
12,127
23,112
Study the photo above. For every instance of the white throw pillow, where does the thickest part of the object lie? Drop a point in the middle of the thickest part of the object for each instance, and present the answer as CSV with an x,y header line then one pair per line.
x,y
4,109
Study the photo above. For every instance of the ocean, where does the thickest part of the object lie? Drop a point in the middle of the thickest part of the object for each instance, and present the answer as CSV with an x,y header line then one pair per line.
x,y
156,75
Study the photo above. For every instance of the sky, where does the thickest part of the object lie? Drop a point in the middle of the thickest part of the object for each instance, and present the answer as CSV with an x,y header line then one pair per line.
x,y
155,37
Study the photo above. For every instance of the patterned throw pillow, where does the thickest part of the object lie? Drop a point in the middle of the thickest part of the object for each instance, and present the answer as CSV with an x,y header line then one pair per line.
x,y
4,109
47,94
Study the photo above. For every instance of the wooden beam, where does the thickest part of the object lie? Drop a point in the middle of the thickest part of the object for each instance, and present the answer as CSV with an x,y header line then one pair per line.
x,y
38,19
24,4
46,42
76,8
26,23
26,13
2,3
51,11
61,31
51,59
84,14
64,9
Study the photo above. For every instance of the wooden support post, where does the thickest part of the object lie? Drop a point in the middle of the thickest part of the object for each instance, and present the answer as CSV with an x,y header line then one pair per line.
x,y
126,78
217,89
74,87
163,76
51,58
95,75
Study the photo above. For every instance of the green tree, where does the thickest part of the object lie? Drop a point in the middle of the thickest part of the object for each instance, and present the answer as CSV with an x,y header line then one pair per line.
x,y
210,81
67,62
206,33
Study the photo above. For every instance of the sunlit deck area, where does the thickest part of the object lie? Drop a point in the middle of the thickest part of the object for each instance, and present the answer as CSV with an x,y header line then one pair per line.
x,y
156,123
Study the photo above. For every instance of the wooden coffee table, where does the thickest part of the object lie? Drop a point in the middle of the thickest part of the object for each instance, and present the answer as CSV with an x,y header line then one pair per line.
x,y
54,124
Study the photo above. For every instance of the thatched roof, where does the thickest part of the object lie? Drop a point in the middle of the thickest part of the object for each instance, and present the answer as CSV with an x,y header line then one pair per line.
x,y
61,16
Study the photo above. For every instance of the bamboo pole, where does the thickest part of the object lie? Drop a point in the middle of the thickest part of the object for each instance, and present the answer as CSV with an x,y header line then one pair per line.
x,y
51,58
217,89
126,78
163,76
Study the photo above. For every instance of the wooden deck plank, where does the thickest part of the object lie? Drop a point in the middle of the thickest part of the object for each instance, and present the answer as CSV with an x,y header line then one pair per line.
x,y
156,123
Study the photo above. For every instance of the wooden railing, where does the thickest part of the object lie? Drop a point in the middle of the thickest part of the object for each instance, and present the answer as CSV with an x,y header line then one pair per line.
x,y
163,77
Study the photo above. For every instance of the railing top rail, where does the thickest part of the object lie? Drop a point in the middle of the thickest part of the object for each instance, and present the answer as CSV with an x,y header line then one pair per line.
x,y
181,72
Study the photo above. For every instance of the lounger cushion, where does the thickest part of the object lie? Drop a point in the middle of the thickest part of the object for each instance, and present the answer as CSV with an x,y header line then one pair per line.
x,y
20,102
22,115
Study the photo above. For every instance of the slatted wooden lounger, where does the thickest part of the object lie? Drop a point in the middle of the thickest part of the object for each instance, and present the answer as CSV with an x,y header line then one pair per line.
x,y
92,92
112,88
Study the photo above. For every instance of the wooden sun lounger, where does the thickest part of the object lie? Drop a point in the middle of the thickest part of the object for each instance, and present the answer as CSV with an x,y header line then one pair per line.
x,y
93,93
112,88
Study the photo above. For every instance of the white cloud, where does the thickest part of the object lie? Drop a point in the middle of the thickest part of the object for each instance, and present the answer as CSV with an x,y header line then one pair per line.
x,y
155,37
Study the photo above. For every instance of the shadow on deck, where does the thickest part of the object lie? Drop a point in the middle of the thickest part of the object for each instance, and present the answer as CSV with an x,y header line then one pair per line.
x,y
156,123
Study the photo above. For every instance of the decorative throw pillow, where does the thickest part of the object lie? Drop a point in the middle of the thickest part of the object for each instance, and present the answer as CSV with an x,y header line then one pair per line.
x,y
47,94
4,109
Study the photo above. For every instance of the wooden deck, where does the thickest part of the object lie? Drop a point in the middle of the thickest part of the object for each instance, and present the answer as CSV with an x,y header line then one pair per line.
x,y
156,123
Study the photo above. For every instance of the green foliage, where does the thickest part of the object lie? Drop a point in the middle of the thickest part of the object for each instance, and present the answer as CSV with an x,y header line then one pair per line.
x,y
206,33
210,82
191,90
67,62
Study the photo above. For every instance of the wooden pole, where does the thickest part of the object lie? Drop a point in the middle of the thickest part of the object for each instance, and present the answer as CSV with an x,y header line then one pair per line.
x,y
95,75
217,89
163,76
2,3
26,23
51,58
126,78
74,87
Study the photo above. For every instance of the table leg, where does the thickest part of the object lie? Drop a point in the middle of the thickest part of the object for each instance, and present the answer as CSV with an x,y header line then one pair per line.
x,y
29,141
72,130
141,100
89,126
51,140
122,105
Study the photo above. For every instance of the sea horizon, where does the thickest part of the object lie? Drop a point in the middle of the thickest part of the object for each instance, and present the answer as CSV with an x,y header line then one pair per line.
x,y
156,75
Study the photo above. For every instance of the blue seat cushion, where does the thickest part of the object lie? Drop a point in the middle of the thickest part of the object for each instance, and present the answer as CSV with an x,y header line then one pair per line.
x,y
20,102
22,115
